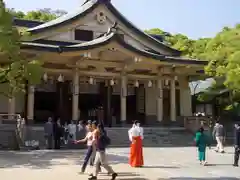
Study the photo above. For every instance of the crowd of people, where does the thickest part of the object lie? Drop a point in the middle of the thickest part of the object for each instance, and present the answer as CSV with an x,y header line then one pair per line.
x,y
57,134
97,141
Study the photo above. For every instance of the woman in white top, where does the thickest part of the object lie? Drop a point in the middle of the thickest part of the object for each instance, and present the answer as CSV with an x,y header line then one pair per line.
x,y
72,129
136,151
89,140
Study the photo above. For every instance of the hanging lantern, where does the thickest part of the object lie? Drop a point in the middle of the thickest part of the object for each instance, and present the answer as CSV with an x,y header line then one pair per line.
x,y
166,82
60,78
112,82
91,80
45,77
137,59
136,83
150,84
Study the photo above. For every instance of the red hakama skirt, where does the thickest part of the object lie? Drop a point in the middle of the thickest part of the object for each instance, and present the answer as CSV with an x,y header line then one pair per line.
x,y
136,152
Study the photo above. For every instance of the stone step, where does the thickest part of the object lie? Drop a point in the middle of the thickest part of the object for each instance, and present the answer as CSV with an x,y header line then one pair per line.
x,y
153,137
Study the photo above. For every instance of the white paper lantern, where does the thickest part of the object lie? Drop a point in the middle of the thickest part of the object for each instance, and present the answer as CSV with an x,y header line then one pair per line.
x,y
91,80
45,77
150,84
112,82
136,83
60,78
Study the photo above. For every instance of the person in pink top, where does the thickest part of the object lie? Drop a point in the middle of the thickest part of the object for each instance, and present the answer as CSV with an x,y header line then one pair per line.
x,y
89,140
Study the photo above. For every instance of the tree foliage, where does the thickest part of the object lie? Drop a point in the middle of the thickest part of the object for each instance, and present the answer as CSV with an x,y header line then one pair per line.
x,y
15,70
222,52
44,15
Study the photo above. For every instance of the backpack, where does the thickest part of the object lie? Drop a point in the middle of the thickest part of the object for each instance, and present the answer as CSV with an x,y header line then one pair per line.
x,y
105,139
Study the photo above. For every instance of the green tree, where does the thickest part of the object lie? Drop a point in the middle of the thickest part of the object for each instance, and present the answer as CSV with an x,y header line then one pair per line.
x,y
44,15
223,54
15,70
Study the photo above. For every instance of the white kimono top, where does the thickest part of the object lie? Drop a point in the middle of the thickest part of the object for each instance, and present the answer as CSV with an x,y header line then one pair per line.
x,y
135,131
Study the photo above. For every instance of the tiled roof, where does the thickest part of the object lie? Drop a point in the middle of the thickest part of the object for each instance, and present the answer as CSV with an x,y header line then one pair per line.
x,y
107,38
26,23
88,7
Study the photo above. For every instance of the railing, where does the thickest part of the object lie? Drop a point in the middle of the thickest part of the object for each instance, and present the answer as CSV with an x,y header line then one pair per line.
x,y
9,118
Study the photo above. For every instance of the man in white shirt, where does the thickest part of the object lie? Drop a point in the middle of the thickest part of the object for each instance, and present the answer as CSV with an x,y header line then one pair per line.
x,y
72,128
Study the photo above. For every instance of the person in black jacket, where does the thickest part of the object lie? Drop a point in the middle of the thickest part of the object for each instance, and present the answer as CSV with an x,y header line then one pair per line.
x,y
236,145
58,132
101,139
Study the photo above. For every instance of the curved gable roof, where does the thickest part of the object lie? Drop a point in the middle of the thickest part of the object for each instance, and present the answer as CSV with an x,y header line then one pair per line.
x,y
104,40
88,7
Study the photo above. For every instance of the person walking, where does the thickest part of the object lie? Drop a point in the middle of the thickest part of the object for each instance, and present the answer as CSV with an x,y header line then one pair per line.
x,y
202,141
101,140
89,140
92,158
136,150
48,131
219,134
236,145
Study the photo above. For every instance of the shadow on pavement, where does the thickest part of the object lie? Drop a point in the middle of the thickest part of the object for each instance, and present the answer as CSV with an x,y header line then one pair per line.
x,y
47,159
162,167
117,159
123,174
205,178
119,178
218,165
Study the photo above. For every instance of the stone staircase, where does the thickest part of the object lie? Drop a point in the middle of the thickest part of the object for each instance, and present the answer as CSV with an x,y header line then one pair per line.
x,y
153,137
8,137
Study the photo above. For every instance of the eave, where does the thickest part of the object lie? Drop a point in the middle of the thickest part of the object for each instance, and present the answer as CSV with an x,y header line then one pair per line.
x,y
105,40
26,23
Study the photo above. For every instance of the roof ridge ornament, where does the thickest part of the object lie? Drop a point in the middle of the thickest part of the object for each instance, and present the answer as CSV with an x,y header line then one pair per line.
x,y
112,28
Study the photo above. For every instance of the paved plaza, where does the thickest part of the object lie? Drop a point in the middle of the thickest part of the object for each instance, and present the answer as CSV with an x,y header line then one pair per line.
x,y
160,164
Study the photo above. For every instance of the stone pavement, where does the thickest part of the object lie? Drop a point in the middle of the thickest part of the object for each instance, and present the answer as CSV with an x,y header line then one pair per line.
x,y
160,164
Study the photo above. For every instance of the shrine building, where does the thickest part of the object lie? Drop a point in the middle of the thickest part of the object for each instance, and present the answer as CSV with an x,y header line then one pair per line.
x,y
95,57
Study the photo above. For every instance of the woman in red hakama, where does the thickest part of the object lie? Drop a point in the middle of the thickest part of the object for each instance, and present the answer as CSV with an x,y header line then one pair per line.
x,y
136,150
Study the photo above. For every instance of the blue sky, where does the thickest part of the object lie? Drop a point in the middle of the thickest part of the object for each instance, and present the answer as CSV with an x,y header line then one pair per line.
x,y
194,18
